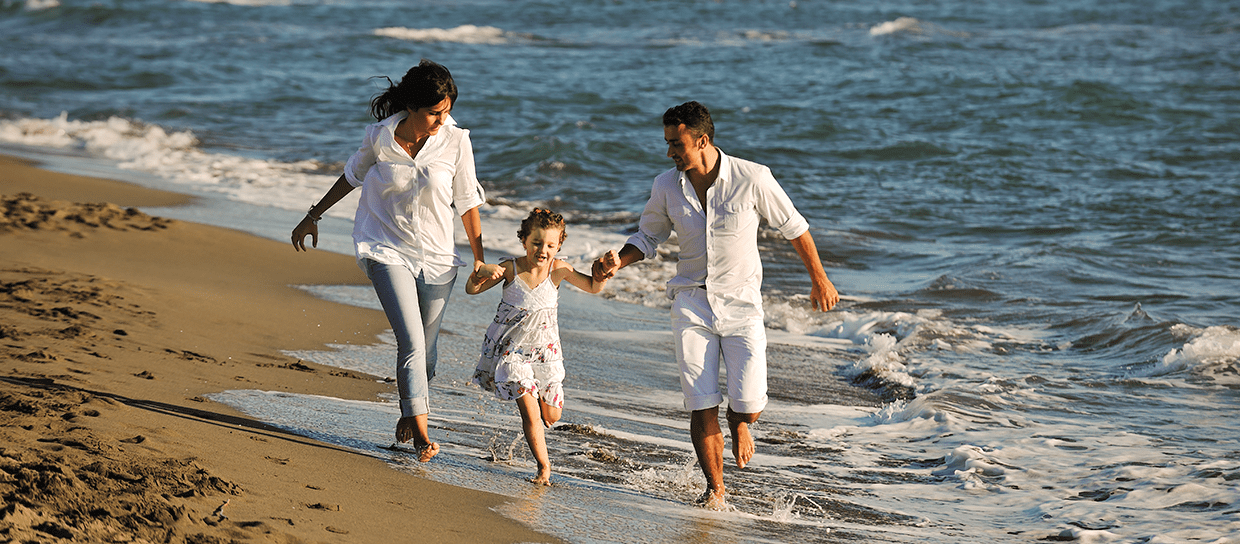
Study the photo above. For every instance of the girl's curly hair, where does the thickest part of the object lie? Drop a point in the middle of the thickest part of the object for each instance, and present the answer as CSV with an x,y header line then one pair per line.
x,y
542,219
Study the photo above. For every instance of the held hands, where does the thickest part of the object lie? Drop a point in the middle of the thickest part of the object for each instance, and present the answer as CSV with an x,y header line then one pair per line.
x,y
484,277
484,272
306,226
606,266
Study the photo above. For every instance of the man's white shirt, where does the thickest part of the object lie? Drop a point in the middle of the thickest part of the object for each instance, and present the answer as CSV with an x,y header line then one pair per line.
x,y
719,238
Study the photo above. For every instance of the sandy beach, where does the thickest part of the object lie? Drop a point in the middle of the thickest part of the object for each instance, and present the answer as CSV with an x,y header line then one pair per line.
x,y
115,325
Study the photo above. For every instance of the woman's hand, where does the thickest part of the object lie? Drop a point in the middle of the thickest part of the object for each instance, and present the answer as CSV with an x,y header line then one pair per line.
x,y
306,226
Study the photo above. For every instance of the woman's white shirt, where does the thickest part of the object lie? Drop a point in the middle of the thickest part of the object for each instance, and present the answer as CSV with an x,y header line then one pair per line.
x,y
405,215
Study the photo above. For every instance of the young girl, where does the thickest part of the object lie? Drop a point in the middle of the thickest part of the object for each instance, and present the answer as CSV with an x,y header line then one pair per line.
x,y
521,358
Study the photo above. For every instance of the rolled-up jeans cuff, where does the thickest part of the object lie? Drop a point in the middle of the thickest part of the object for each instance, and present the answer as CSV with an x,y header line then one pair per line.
x,y
414,407
747,406
703,402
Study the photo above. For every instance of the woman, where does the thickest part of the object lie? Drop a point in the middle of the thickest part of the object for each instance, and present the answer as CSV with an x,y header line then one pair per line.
x,y
414,166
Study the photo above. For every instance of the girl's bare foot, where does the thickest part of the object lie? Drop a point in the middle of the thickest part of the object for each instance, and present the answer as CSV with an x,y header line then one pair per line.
x,y
544,475
426,451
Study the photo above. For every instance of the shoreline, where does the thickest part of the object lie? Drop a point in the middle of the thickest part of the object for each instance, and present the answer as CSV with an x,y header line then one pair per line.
x,y
115,327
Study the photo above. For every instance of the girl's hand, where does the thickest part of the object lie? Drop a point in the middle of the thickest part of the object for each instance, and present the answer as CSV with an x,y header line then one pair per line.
x,y
611,261
484,272
485,276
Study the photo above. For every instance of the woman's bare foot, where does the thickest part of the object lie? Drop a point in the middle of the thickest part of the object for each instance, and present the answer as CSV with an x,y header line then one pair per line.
x,y
427,451
742,443
405,428
414,428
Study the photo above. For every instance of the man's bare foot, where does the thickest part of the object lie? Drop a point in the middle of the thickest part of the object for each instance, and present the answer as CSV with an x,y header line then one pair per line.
x,y
427,451
713,500
742,444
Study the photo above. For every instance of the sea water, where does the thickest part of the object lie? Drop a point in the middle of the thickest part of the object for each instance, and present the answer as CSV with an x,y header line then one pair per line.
x,y
1028,207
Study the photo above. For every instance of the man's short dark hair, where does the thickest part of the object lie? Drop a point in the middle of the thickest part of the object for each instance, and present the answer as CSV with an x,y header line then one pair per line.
x,y
693,116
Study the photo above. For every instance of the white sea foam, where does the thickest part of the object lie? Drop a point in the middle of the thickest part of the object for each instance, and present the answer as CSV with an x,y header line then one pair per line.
x,y
40,5
902,24
176,157
1091,482
462,34
765,35
1209,348
913,27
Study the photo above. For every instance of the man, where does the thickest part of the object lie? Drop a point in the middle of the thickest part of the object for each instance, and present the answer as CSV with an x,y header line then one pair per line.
x,y
713,203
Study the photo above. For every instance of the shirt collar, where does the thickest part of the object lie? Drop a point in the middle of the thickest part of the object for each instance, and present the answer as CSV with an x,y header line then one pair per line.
x,y
397,117
725,170
387,137
725,167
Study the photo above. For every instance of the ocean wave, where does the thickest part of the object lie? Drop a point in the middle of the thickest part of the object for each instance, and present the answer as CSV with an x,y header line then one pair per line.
x,y
765,35
40,5
973,467
175,156
902,24
487,35
912,26
1210,349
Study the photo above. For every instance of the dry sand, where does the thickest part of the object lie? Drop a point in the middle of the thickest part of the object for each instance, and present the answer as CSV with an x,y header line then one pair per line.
x,y
114,325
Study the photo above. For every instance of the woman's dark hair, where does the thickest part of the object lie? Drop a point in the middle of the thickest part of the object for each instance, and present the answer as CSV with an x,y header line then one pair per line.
x,y
542,219
423,86
693,116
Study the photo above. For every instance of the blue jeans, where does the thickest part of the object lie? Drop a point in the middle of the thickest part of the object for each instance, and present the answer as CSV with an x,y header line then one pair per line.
x,y
415,311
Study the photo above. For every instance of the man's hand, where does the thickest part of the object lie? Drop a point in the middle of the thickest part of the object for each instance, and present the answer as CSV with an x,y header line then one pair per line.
x,y
611,261
823,296
605,267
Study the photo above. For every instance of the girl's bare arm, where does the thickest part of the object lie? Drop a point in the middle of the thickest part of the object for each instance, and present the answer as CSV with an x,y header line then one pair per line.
x,y
488,276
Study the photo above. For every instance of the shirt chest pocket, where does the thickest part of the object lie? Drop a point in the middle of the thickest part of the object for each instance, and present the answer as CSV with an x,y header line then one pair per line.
x,y
734,217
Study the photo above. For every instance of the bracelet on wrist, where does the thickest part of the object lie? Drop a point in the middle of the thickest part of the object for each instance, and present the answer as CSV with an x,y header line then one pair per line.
x,y
310,214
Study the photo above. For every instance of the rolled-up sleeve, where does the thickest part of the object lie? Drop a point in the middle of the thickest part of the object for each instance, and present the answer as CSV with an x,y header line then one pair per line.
x,y
774,205
359,164
467,193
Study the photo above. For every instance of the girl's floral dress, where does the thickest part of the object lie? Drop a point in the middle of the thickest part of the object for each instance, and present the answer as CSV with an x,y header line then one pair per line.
x,y
521,352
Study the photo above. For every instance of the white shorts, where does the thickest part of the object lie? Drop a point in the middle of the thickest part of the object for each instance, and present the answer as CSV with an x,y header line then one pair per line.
x,y
700,346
